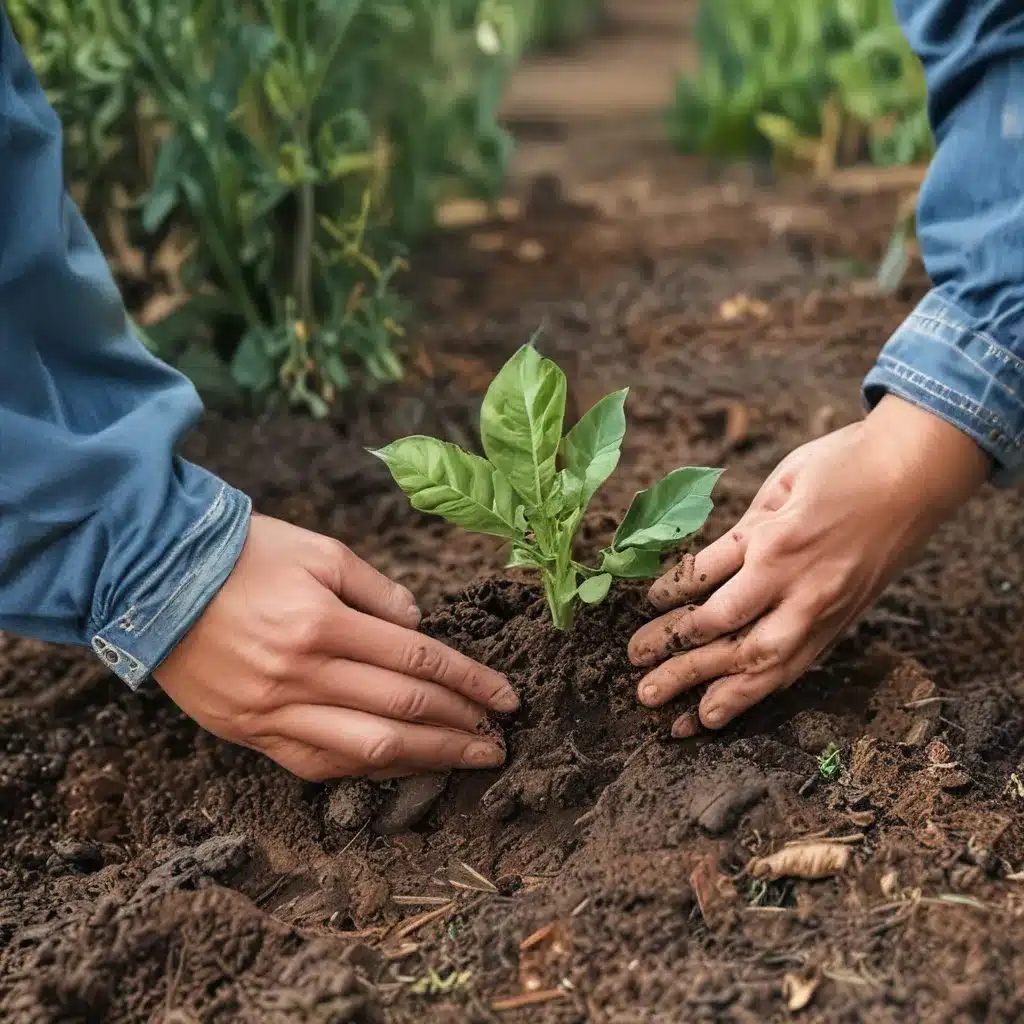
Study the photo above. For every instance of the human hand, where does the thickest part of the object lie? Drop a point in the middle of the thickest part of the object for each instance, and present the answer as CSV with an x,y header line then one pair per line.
x,y
312,657
835,522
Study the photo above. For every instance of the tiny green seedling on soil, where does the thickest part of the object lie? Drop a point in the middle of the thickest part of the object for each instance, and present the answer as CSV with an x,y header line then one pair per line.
x,y
830,762
534,485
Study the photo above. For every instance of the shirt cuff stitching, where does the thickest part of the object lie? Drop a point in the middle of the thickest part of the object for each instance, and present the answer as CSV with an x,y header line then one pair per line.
x,y
943,393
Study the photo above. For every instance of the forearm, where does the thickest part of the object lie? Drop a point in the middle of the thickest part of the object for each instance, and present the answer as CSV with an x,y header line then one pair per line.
x,y
960,354
107,537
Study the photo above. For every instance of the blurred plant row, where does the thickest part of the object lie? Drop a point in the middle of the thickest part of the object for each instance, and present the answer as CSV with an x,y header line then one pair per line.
x,y
816,82
258,166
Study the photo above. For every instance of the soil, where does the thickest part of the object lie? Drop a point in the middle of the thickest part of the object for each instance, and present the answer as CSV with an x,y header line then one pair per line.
x,y
150,872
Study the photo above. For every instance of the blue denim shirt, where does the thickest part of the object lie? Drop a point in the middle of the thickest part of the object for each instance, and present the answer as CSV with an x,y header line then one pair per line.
x,y
108,538
960,354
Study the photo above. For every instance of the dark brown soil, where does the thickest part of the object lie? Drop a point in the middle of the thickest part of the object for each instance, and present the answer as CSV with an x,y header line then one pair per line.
x,y
149,872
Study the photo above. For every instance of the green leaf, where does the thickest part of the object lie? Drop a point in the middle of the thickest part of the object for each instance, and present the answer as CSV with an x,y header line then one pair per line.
x,y
665,513
632,564
251,366
521,558
595,590
443,480
564,495
590,451
521,423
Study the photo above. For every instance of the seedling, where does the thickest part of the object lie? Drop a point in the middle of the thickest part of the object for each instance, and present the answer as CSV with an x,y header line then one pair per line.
x,y
534,485
830,762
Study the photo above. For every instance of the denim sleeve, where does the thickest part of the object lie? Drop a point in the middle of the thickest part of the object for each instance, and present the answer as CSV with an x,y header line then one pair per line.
x,y
107,538
960,354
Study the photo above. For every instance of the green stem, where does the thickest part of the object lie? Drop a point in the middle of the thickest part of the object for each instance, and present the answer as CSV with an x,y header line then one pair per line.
x,y
563,612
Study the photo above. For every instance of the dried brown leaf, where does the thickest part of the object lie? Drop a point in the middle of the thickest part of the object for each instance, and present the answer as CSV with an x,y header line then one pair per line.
x,y
807,860
798,992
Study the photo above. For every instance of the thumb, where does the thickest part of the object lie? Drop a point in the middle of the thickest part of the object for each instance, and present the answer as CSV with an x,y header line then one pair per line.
x,y
361,586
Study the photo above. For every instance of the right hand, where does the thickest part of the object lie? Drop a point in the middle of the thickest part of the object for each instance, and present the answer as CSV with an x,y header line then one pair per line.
x,y
311,656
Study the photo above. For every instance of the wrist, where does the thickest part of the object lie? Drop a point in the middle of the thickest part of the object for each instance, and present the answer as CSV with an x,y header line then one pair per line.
x,y
932,462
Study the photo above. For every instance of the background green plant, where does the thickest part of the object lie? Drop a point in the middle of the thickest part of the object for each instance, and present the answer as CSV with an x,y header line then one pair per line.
x,y
820,80
557,23
298,144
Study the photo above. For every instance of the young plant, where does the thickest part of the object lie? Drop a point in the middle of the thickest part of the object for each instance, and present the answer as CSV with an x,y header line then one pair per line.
x,y
535,485
830,762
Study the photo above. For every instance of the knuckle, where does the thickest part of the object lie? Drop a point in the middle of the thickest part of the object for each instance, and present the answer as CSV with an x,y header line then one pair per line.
x,y
758,656
410,702
424,659
278,667
305,631
731,615
336,550
381,751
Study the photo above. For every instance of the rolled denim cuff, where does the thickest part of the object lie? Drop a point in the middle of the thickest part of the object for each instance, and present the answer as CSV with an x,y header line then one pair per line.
x,y
176,592
939,360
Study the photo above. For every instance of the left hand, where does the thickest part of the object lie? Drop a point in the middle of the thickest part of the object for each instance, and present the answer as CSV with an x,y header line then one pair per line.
x,y
835,522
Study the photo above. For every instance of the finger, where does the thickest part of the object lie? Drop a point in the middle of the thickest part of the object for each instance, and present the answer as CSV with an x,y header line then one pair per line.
x,y
380,691
685,671
697,575
730,696
377,744
686,726
362,587
734,605
771,657
358,637
309,763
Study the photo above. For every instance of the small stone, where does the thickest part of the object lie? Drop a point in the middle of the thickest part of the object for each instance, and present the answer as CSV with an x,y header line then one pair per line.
x,y
725,809
530,251
409,802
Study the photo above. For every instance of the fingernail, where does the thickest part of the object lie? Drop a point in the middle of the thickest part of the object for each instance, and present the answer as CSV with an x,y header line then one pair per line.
x,y
649,693
713,717
684,727
507,700
483,755
413,616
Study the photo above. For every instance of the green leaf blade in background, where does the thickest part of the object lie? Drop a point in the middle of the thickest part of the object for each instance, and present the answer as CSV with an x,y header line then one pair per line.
x,y
668,511
591,450
442,479
521,423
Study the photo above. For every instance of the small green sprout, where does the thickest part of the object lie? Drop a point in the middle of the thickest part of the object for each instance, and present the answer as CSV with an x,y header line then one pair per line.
x,y
534,485
830,762
432,984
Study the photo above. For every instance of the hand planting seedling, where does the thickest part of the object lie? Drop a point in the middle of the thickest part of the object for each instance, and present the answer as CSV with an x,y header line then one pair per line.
x,y
535,485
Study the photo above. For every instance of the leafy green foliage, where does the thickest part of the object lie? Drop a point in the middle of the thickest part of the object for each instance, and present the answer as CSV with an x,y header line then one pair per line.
x,y
557,23
820,81
830,762
535,484
297,146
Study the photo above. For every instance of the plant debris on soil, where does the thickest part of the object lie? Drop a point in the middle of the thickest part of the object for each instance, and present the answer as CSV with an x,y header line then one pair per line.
x,y
150,872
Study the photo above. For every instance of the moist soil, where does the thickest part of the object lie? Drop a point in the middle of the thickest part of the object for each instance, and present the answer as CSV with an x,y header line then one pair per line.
x,y
150,872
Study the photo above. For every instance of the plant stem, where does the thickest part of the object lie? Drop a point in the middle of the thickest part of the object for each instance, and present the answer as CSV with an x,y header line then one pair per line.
x,y
304,254
563,612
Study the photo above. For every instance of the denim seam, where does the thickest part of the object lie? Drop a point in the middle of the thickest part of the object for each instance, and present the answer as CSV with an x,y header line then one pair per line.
x,y
997,349
994,348
127,620
942,393
210,516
